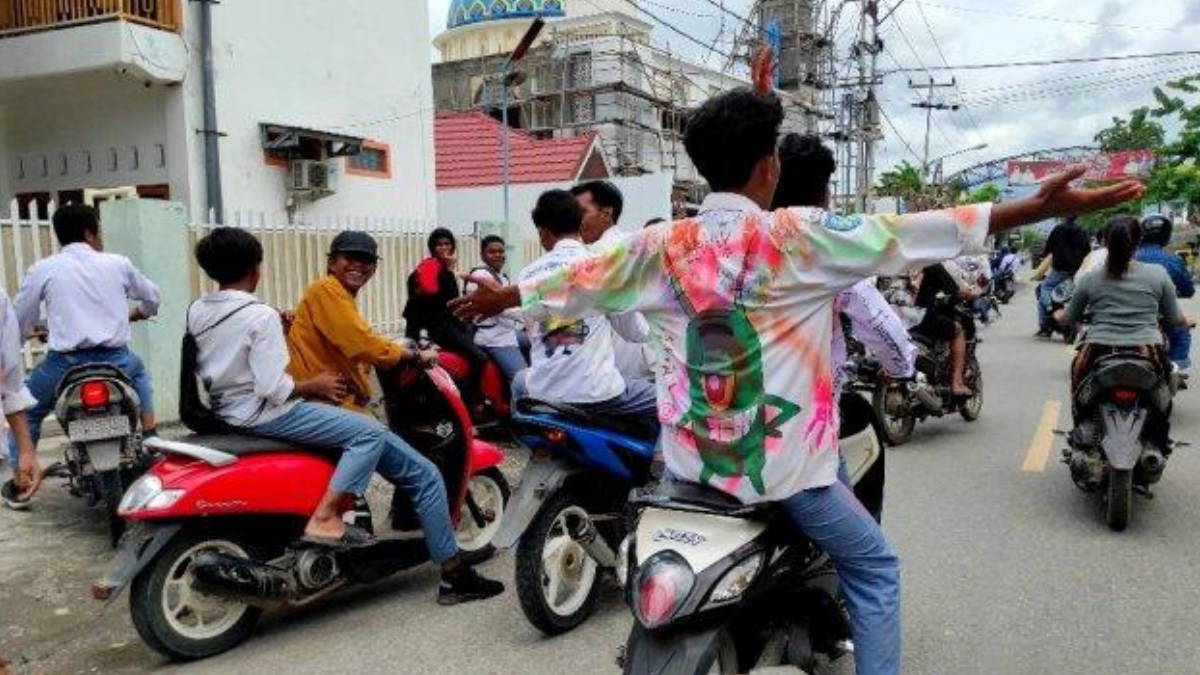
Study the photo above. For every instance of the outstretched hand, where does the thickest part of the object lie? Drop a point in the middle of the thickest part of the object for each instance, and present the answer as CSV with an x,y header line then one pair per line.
x,y
489,299
1059,199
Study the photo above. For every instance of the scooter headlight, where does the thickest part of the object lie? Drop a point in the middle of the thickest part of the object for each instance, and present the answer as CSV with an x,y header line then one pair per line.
x,y
736,580
662,585
147,493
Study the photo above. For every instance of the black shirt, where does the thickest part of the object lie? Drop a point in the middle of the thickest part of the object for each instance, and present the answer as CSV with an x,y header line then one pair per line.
x,y
935,279
1069,245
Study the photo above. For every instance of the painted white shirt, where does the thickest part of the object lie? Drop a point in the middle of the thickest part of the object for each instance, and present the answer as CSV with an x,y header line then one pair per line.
x,y
243,361
570,361
877,327
740,304
631,331
87,294
496,331
14,396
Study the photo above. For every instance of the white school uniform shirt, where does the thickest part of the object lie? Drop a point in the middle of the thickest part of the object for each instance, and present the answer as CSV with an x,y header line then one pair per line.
x,y
740,302
87,294
14,395
496,331
243,361
877,327
631,331
570,361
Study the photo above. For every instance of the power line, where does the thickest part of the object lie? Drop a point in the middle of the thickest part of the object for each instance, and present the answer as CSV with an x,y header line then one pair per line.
x,y
898,134
674,29
1120,83
1052,19
1066,78
1048,62
942,56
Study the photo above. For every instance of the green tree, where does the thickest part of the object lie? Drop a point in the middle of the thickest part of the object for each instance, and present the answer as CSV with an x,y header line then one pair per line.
x,y
986,193
1138,133
904,181
1176,176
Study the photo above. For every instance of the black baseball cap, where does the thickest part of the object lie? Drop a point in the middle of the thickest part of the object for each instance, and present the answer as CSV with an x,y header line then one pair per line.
x,y
354,241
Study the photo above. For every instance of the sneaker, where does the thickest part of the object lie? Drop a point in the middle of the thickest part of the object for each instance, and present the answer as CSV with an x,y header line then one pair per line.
x,y
1044,333
10,495
466,585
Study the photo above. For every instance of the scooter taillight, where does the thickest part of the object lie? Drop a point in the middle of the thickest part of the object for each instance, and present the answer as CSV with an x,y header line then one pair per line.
x,y
1125,397
556,436
94,394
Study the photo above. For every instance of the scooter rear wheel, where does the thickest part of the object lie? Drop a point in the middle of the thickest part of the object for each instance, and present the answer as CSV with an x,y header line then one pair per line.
x,y
490,491
179,622
557,581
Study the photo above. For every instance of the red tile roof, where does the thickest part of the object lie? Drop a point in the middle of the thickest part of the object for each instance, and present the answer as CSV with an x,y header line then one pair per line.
x,y
468,153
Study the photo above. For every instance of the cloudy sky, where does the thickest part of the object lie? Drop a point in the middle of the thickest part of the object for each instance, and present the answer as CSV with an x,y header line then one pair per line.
x,y
1012,110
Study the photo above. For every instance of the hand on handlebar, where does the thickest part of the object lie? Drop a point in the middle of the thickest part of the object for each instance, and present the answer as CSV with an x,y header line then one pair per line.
x,y
428,357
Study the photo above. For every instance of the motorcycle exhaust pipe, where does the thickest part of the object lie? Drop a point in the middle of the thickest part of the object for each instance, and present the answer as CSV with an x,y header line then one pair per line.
x,y
240,579
925,395
1152,463
584,532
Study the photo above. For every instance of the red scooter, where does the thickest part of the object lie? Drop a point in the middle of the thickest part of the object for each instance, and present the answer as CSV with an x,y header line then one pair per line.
x,y
215,526
493,389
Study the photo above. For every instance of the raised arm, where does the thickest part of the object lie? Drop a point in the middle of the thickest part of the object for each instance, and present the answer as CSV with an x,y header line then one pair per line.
x,y
140,289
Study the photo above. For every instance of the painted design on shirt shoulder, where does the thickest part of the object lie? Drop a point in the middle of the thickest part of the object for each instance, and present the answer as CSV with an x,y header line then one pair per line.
x,y
839,223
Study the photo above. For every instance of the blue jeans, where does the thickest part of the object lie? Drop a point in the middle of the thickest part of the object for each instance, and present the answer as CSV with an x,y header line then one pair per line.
x,y
1053,279
43,383
1181,347
367,446
867,568
510,360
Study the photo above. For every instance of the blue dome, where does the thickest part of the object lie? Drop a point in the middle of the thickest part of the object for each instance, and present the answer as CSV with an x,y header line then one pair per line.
x,y
467,12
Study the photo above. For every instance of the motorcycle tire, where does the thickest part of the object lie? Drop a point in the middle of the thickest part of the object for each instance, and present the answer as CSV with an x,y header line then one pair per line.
x,y
972,408
720,659
896,430
1117,499
163,630
490,483
534,581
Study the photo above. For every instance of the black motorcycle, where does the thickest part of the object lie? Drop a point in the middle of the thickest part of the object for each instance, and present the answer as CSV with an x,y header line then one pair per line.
x,y
1060,297
1120,442
99,411
901,404
1004,286
720,587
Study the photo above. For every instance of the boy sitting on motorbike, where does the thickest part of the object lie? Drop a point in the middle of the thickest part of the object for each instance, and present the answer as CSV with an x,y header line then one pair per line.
x,y
329,334
750,293
938,294
15,399
501,337
243,360
574,362
87,294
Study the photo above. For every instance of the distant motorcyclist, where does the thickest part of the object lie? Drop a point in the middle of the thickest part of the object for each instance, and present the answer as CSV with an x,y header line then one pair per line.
x,y
1156,234
1066,247
1125,301
87,294
938,294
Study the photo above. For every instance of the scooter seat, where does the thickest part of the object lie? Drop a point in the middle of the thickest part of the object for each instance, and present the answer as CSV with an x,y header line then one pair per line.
x,y
571,414
240,446
685,496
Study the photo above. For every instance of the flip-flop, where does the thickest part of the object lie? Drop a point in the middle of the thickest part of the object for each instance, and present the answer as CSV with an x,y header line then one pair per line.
x,y
353,537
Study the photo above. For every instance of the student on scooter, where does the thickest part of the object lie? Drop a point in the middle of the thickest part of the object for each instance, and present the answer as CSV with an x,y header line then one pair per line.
x,y
87,294
15,399
602,204
242,357
742,298
430,288
329,334
573,362
499,337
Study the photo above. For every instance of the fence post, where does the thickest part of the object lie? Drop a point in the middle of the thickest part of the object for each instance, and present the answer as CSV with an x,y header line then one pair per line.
x,y
154,235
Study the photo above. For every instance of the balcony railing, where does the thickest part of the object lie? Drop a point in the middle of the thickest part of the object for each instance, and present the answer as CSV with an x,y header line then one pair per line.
x,y
24,16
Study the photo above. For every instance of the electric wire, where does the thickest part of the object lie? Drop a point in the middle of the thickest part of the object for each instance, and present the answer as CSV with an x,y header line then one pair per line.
x,y
1044,62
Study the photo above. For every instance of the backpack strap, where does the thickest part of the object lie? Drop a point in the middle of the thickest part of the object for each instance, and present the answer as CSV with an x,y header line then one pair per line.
x,y
222,319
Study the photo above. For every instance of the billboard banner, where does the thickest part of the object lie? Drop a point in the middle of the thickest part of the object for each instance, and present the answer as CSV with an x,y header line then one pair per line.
x,y
1103,166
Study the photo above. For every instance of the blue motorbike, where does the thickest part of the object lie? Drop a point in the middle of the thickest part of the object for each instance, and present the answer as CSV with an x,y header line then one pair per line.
x,y
567,518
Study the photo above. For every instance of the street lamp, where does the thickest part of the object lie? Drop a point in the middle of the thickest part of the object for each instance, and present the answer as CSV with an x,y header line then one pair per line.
x,y
510,77
938,161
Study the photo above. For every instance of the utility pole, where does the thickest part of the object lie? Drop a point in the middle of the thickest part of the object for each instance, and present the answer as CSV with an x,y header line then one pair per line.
x,y
867,50
929,107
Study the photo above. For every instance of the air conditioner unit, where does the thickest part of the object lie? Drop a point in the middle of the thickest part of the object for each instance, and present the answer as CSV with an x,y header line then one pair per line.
x,y
314,177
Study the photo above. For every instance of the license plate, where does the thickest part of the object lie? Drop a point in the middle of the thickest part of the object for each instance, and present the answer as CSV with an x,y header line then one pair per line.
x,y
97,428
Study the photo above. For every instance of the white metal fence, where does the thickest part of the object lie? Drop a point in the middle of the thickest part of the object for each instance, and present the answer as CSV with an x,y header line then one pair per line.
x,y
294,256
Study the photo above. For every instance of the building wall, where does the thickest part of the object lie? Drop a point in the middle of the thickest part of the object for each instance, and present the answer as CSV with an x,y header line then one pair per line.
x,y
83,131
358,67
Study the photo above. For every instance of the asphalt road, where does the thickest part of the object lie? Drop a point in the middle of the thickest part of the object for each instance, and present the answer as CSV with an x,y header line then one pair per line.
x,y
1006,569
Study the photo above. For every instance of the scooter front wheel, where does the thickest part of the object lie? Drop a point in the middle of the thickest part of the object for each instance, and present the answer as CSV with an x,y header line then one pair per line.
x,y
178,621
489,491
557,581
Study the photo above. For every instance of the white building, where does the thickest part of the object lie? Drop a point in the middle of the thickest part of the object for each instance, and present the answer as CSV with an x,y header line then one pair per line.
x,y
109,93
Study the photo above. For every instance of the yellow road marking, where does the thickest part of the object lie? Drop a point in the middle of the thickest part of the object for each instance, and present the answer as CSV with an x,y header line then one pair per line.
x,y
1043,439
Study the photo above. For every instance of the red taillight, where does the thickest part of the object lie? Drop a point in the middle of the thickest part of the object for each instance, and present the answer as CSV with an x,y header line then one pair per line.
x,y
556,436
1124,396
94,394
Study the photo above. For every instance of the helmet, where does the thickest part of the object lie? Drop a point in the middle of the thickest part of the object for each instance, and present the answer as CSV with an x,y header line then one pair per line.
x,y
1156,229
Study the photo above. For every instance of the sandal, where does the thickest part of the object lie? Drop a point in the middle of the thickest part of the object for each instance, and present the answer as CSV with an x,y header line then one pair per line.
x,y
353,537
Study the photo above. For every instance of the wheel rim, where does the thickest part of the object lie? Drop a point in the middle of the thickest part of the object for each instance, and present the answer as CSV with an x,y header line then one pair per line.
x,y
568,572
975,382
190,613
490,499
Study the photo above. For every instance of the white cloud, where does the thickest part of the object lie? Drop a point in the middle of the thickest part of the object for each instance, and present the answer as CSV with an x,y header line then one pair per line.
x,y
1018,109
